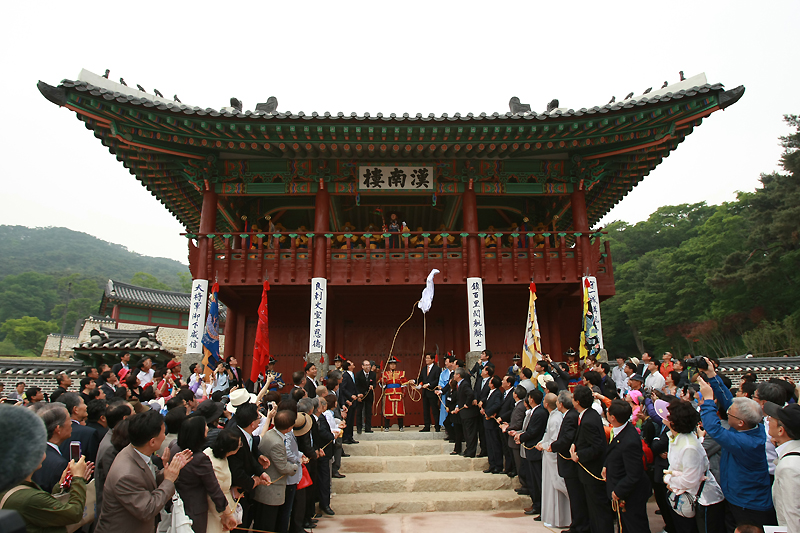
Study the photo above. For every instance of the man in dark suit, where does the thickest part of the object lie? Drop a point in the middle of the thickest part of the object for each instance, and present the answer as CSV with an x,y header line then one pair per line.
x,y
467,411
530,438
247,465
588,453
366,381
567,468
86,435
623,471
124,362
323,437
485,358
503,417
64,383
515,422
59,429
349,396
429,380
310,384
109,387
481,392
135,490
490,408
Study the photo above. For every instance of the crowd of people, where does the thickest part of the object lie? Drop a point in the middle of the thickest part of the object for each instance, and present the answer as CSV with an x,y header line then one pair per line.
x,y
590,444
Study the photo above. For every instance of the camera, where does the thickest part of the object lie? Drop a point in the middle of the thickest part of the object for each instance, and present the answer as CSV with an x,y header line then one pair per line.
x,y
697,362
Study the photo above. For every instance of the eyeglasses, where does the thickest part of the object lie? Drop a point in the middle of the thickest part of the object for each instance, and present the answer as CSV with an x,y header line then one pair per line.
x,y
731,415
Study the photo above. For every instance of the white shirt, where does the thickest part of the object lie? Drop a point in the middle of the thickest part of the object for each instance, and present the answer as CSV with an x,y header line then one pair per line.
x,y
688,464
655,381
332,423
619,377
772,453
145,377
617,431
248,437
54,447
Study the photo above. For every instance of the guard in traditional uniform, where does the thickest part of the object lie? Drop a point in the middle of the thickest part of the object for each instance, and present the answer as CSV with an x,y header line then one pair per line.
x,y
515,369
337,362
574,369
393,381
277,379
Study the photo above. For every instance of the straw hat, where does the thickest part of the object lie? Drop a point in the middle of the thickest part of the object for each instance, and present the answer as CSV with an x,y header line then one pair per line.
x,y
302,424
238,398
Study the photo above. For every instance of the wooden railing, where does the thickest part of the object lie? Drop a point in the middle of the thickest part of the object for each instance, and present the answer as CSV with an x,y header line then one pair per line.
x,y
398,258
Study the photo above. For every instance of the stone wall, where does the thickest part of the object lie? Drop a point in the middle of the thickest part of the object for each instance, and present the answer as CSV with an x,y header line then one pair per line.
x,y
52,342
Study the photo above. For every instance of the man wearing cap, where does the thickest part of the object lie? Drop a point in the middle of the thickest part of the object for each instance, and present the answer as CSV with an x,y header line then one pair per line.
x,y
337,362
635,382
393,381
784,429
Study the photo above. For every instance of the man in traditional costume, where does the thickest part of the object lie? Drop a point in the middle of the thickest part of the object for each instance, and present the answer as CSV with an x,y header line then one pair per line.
x,y
574,369
337,362
515,369
277,379
393,381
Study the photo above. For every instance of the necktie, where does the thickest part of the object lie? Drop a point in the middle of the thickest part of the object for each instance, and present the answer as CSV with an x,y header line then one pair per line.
x,y
152,469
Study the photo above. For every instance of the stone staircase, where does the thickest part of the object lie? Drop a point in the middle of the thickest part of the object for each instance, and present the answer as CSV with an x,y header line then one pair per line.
x,y
413,472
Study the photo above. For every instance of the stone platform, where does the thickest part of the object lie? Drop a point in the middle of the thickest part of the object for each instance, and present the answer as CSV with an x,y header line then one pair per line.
x,y
413,472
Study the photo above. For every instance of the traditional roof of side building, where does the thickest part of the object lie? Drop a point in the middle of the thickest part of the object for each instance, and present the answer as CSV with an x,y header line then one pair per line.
x,y
118,292
760,364
106,343
177,150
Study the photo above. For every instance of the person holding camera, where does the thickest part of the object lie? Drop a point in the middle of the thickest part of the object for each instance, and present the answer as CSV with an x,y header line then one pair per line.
x,y
743,464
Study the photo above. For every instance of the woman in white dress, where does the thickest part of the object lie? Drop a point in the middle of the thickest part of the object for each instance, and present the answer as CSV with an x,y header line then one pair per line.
x,y
228,443
555,502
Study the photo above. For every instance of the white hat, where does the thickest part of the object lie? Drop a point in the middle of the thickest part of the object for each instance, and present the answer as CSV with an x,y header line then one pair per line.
x,y
238,398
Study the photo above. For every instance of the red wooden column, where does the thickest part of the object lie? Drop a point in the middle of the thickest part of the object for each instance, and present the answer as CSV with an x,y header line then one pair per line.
x,y
321,225
470,214
208,224
230,332
580,221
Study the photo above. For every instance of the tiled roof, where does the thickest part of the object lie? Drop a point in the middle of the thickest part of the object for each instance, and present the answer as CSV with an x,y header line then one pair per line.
x,y
40,366
116,291
760,364
110,90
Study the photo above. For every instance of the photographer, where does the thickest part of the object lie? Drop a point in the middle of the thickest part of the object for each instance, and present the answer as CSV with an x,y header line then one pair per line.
x,y
560,376
743,464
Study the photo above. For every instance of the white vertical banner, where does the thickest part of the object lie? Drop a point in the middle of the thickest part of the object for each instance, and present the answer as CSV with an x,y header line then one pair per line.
x,y
319,305
197,316
593,323
475,316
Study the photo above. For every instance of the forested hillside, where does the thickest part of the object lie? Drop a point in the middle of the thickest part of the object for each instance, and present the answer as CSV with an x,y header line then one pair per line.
x,y
41,269
716,280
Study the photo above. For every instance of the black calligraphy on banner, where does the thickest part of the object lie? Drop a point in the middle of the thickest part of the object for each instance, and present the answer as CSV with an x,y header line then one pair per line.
x,y
373,179
420,178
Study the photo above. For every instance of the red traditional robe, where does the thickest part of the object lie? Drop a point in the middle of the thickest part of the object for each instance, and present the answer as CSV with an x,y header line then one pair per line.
x,y
574,375
393,405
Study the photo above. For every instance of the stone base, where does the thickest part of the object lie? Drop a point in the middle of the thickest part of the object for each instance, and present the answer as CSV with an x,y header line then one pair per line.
x,y
322,363
420,502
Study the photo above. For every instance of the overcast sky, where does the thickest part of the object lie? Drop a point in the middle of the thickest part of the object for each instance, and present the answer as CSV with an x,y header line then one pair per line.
x,y
415,57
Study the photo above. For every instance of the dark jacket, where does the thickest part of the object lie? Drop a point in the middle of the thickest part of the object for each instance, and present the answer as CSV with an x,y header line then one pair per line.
x,y
559,375
363,382
590,444
244,464
432,379
348,387
88,438
624,468
464,398
50,473
493,403
310,387
534,433
508,405
566,436
195,485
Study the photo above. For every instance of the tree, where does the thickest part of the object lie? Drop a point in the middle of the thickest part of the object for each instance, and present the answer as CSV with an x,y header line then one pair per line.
x,y
143,279
185,279
28,332
27,294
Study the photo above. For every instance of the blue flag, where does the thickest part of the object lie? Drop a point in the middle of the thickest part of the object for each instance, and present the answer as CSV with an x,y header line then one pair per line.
x,y
211,358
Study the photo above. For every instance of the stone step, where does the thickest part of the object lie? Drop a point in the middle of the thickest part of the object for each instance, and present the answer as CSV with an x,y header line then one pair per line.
x,y
412,433
421,502
438,482
410,464
398,448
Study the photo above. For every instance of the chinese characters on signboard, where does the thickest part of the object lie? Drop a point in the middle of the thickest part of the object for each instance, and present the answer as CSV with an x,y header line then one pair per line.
x,y
391,178
319,303
197,316
475,316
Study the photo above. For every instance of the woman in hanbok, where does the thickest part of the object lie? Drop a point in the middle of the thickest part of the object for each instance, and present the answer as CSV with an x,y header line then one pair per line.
x,y
555,502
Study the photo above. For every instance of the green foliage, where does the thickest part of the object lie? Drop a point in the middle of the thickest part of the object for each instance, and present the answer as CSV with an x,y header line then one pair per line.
x,y
143,279
28,332
8,348
186,281
715,280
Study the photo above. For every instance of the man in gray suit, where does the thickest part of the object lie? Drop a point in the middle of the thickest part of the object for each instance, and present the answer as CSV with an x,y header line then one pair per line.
x,y
269,498
515,424
135,491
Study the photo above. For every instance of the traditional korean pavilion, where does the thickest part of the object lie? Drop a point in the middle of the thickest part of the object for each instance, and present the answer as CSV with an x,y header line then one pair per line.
x,y
506,197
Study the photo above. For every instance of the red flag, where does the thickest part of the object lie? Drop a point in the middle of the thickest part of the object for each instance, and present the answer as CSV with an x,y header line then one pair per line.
x,y
322,359
533,287
261,347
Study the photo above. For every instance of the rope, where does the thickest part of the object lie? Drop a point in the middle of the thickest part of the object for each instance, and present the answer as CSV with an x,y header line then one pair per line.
x,y
581,464
616,505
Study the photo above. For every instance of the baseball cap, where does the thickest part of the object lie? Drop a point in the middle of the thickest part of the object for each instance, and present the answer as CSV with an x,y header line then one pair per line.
x,y
789,417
